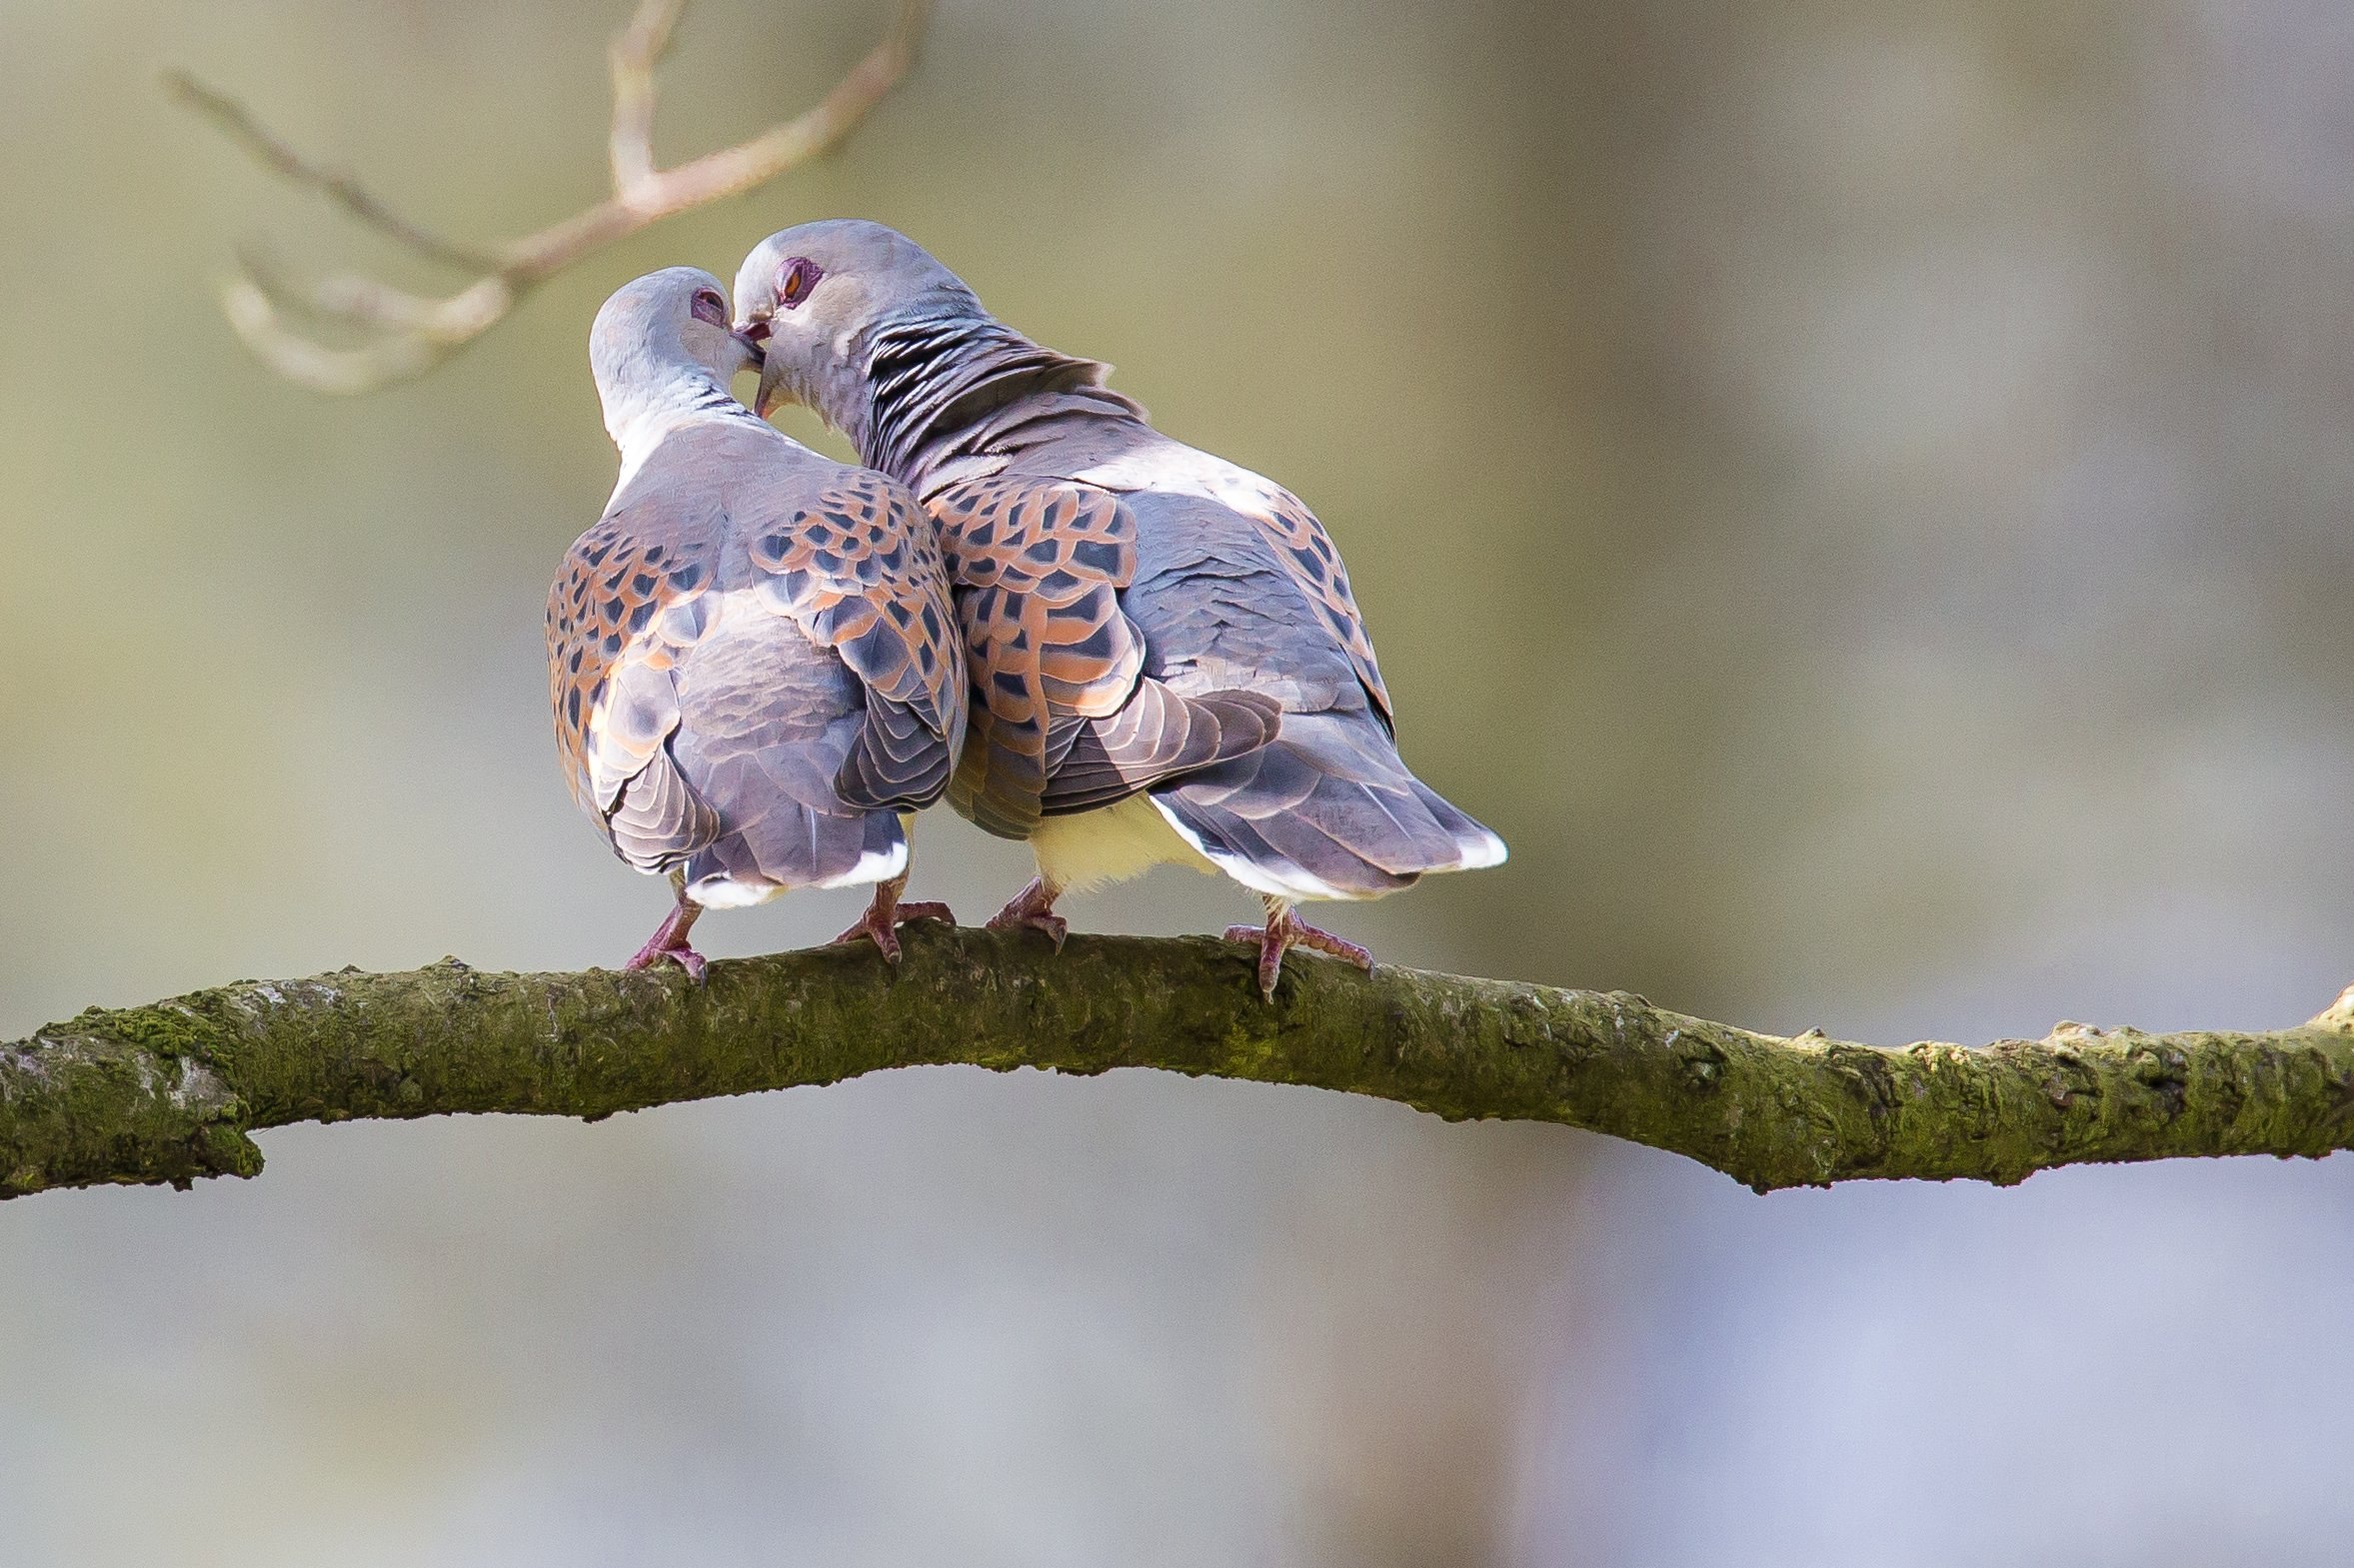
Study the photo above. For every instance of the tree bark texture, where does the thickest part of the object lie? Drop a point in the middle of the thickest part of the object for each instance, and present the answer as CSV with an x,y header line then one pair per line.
x,y
172,1091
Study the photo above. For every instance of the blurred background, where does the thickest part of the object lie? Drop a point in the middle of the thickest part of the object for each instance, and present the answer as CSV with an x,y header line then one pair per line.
x,y
1858,494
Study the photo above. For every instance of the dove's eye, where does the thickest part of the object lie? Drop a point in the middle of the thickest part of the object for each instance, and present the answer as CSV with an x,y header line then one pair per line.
x,y
710,307
795,280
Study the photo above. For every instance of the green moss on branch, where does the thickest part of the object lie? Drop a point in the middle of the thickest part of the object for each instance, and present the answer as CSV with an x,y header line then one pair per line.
x,y
170,1093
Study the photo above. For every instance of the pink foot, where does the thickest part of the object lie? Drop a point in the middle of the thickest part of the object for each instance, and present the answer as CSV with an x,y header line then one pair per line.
x,y
881,924
1284,931
1033,908
669,943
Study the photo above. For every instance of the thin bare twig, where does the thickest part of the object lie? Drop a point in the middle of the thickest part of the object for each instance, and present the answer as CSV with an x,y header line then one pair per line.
x,y
636,50
344,300
404,335
273,153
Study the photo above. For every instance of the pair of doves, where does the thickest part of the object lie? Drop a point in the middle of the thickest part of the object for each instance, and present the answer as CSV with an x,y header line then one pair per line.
x,y
1086,635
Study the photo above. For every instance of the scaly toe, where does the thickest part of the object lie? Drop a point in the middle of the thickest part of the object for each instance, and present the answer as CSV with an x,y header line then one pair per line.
x,y
1271,970
882,935
1052,927
926,911
1334,947
1270,948
695,964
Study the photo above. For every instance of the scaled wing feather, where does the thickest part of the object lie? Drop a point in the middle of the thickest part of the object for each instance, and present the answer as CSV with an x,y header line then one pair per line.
x,y
1063,717
858,569
624,610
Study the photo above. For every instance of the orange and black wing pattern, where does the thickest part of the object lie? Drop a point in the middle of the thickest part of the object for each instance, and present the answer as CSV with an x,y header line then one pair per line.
x,y
1037,567
623,611
859,570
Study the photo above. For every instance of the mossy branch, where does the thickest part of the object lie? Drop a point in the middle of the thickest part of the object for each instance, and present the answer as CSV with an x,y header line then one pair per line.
x,y
171,1092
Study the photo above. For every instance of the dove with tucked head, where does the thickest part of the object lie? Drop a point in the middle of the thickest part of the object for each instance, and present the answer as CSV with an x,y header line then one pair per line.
x,y
1168,664
753,655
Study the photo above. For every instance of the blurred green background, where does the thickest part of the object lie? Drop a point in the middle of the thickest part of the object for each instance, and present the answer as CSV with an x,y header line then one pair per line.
x,y
1858,494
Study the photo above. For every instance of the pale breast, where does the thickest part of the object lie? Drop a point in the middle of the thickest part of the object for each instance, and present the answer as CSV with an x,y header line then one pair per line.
x,y
1089,849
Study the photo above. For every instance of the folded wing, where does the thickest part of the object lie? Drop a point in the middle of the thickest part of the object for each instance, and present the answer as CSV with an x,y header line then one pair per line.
x,y
856,568
628,603
1064,718
1238,595
754,671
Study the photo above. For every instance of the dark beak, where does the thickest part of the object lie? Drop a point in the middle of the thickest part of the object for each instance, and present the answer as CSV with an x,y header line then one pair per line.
x,y
750,350
754,336
771,382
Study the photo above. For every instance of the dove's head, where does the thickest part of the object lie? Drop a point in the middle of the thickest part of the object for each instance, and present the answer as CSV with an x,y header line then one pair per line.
x,y
661,341
812,296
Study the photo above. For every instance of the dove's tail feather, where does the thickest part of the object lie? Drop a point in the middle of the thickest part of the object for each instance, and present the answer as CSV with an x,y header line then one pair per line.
x,y
1326,810
785,831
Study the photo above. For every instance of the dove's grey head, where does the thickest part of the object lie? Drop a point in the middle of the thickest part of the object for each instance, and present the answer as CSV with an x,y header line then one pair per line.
x,y
857,322
813,298
662,347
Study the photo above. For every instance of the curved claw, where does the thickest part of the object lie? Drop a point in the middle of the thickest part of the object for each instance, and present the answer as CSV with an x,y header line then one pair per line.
x,y
1033,908
1284,931
695,964
882,934
669,943
881,924
1052,925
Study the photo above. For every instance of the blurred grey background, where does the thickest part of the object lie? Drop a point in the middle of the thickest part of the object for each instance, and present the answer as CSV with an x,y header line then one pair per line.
x,y
1858,494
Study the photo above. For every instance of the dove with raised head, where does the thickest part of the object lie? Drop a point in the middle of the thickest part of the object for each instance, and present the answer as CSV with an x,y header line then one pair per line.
x,y
1168,664
751,657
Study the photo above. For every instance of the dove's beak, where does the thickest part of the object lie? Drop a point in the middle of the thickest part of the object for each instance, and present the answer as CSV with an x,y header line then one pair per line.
x,y
772,381
756,335
750,347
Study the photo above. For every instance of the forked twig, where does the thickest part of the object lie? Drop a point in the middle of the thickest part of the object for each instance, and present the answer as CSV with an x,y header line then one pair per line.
x,y
405,335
